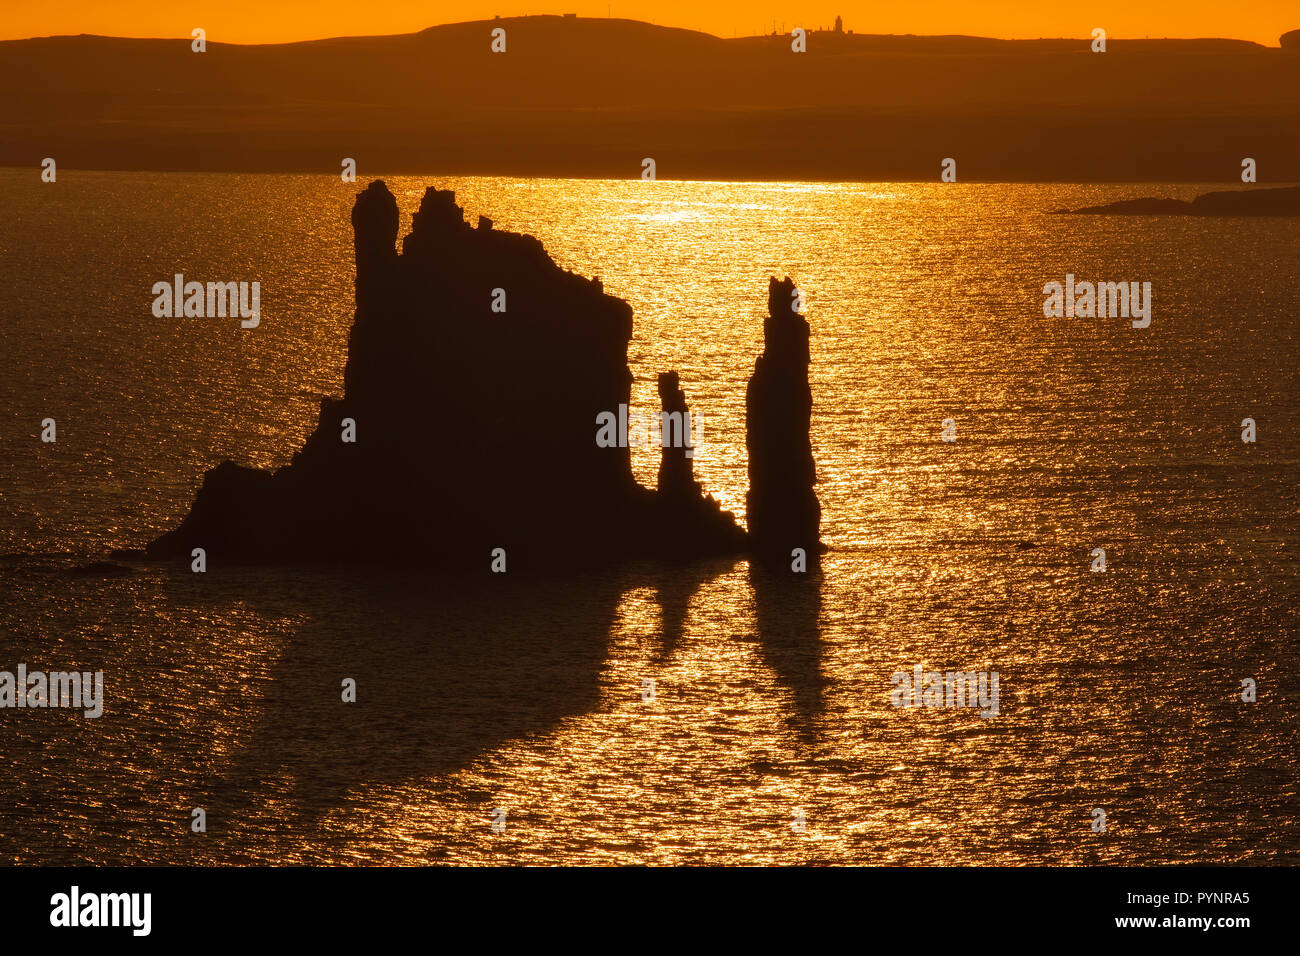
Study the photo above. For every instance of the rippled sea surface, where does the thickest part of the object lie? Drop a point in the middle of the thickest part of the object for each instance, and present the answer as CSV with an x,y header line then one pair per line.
x,y
1118,690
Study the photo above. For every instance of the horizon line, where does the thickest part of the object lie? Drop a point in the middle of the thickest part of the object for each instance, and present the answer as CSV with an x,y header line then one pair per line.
x,y
650,23
1223,185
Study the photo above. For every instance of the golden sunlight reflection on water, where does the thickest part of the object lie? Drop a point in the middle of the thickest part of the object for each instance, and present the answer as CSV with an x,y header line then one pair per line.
x,y
1117,689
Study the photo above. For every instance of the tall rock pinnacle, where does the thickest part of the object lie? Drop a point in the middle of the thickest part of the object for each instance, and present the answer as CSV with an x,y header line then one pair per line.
x,y
676,473
374,229
782,506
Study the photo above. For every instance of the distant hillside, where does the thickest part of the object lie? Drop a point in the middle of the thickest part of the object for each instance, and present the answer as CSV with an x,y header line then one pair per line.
x,y
579,96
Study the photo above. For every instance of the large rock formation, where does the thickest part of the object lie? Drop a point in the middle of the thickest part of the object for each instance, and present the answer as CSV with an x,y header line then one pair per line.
x,y
477,370
784,513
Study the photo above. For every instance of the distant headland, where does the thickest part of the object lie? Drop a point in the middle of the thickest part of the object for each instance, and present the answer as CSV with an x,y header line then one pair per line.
x,y
1281,201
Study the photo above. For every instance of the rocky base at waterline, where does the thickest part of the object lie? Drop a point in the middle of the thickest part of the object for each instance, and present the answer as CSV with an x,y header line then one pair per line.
x,y
1277,201
478,371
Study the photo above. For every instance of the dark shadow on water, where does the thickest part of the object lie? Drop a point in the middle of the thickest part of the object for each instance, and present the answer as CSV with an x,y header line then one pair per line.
x,y
787,610
675,587
445,671
225,692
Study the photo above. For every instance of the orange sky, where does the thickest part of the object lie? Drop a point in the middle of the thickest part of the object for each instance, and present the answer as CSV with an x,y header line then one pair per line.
x,y
259,21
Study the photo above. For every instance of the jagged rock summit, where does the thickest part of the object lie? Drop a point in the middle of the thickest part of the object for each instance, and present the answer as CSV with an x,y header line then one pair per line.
x,y
477,372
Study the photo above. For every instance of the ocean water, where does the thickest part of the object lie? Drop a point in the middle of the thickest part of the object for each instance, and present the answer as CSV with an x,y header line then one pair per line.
x,y
1119,691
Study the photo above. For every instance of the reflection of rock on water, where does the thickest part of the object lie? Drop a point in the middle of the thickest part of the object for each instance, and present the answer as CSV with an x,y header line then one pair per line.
x,y
443,675
448,672
787,610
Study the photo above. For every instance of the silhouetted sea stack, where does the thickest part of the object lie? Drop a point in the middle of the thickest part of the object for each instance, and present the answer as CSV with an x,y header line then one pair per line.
x,y
782,506
676,457
693,524
478,372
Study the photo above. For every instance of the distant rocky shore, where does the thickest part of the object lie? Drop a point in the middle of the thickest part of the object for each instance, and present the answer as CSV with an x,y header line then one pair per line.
x,y
1279,201
477,373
